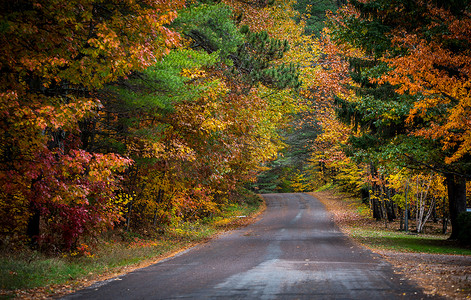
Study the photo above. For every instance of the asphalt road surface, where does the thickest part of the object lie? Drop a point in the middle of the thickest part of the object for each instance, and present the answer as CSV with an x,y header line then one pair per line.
x,y
294,251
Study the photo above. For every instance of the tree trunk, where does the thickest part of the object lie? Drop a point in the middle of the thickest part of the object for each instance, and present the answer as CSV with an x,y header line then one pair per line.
x,y
34,220
128,214
391,213
457,201
365,194
158,201
375,205
401,219
445,224
445,217
32,231
406,209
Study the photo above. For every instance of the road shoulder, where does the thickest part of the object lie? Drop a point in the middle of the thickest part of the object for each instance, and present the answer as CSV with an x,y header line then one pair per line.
x,y
444,275
59,290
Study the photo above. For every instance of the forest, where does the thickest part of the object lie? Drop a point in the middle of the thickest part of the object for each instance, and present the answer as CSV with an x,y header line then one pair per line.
x,y
137,114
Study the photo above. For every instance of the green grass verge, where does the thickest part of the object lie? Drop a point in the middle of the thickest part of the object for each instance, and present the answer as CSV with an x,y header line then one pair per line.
x,y
28,269
407,242
374,235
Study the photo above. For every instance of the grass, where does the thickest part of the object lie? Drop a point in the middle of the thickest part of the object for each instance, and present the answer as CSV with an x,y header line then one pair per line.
x,y
24,273
355,219
114,253
31,269
404,242
422,258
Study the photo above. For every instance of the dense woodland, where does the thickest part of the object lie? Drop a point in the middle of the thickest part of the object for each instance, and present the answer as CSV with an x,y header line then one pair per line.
x,y
136,114
390,104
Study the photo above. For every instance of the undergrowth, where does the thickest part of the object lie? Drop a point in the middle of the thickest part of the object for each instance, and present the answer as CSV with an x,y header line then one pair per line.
x,y
23,269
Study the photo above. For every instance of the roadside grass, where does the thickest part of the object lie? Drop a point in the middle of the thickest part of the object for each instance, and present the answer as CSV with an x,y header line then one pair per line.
x,y
437,265
355,218
26,272
407,242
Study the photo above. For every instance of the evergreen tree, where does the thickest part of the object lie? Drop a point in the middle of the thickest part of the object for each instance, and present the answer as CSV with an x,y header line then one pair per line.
x,y
314,13
381,112
251,55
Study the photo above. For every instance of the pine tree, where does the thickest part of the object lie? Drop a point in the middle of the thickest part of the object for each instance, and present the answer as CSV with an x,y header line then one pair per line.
x,y
392,133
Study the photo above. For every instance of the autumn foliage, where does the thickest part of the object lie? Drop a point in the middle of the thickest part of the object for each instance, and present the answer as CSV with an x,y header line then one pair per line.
x,y
132,114
140,114
400,87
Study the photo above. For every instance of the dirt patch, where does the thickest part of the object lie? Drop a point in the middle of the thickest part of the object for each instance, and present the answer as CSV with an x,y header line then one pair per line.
x,y
448,276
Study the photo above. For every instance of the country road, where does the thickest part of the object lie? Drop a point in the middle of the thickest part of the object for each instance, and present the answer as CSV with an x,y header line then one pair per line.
x,y
294,251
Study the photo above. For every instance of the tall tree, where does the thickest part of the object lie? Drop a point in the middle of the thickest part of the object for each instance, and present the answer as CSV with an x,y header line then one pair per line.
x,y
411,86
54,56
203,118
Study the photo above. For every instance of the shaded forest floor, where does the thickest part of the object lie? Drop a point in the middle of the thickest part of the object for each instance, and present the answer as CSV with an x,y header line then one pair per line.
x,y
439,266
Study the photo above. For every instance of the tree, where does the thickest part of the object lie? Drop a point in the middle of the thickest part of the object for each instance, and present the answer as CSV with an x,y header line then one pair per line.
x,y
54,57
414,57
314,13
116,124
196,118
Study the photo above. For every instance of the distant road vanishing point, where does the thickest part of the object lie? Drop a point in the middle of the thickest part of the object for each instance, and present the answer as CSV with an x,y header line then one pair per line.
x,y
294,251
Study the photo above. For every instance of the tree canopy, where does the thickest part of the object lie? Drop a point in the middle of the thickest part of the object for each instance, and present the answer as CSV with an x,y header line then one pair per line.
x,y
134,113
408,66
139,114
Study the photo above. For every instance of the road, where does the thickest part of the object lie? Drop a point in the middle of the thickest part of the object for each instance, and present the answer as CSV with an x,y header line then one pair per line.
x,y
294,251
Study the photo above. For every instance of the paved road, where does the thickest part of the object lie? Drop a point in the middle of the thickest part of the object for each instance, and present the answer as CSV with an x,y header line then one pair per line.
x,y
293,252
